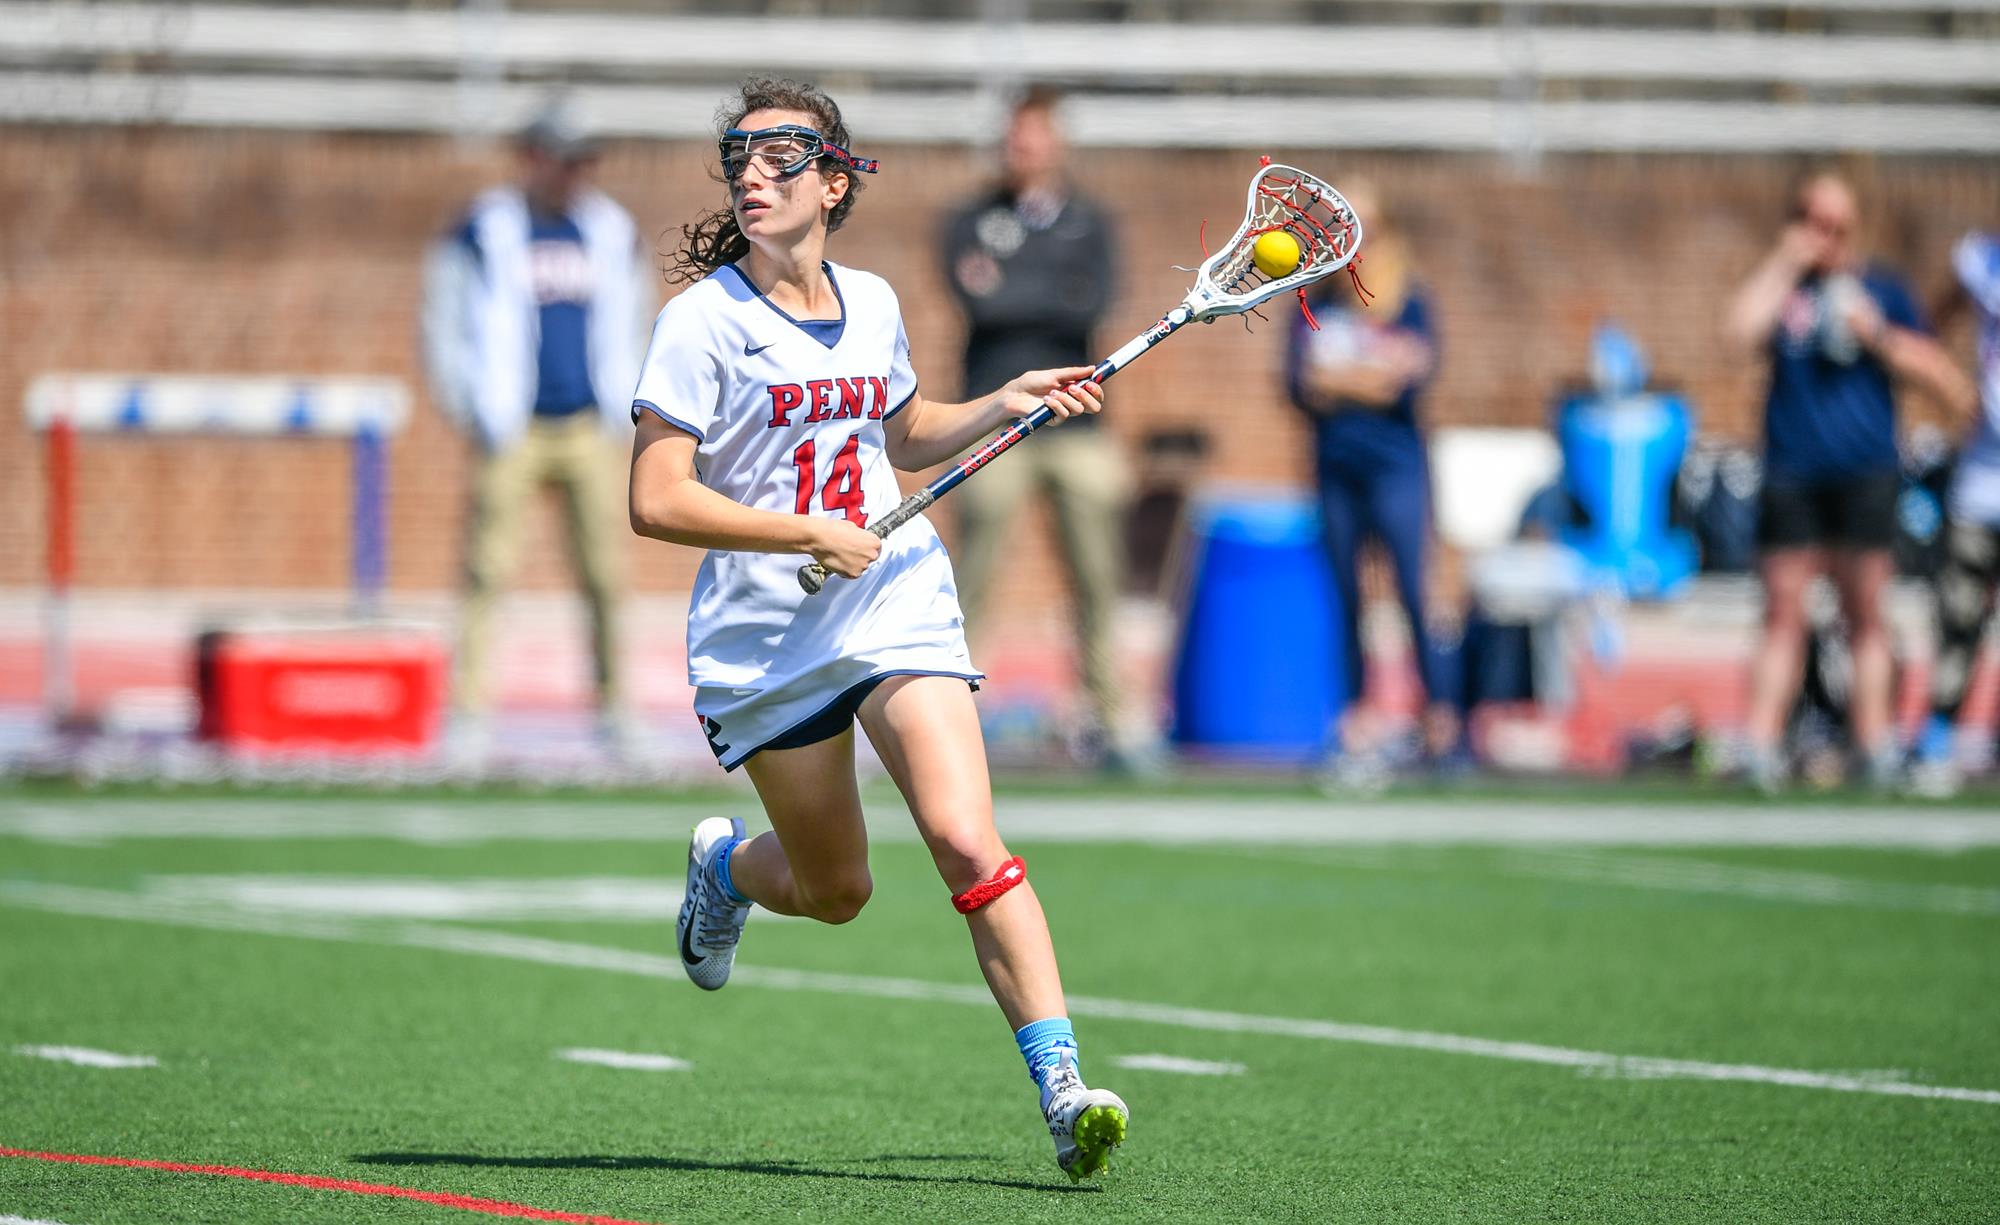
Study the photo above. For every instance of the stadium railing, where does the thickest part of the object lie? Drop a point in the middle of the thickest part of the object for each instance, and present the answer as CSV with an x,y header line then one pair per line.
x,y
1517,83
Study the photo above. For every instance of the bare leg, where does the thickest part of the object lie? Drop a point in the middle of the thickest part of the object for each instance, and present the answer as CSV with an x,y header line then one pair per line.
x,y
814,860
1862,576
927,732
1779,666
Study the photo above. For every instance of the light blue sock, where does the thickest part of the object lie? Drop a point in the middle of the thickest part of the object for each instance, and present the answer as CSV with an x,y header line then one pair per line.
x,y
1043,1043
721,862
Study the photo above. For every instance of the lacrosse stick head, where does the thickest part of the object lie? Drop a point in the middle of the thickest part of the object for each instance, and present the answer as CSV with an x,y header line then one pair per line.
x,y
1283,198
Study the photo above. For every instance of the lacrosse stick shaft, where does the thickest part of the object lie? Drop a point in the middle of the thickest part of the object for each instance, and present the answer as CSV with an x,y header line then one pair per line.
x,y
812,575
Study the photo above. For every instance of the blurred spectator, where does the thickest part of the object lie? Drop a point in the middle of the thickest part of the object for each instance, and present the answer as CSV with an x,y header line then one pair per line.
x,y
1358,378
1032,263
1971,567
1837,331
535,314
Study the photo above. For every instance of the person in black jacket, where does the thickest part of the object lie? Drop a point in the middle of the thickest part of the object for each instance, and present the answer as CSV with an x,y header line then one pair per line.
x,y
1032,264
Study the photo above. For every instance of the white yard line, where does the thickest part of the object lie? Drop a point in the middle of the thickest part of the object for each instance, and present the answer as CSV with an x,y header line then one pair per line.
x,y
579,899
1174,1063
94,821
1156,820
84,1056
1771,884
486,899
108,904
1601,867
21,1220
633,1061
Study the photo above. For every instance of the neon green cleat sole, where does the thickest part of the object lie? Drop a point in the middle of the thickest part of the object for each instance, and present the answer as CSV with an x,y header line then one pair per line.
x,y
1099,1130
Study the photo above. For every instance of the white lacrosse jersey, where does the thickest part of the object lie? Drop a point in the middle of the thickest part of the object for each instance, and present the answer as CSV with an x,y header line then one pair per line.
x,y
1975,494
789,415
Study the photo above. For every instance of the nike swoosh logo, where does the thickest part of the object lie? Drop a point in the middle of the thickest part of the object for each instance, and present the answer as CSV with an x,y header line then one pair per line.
x,y
750,350
687,949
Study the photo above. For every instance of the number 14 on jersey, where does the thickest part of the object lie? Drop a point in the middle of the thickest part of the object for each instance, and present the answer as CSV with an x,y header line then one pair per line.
x,y
842,491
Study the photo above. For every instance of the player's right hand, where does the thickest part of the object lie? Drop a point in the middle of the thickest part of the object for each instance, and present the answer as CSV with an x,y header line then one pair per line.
x,y
844,549
1801,246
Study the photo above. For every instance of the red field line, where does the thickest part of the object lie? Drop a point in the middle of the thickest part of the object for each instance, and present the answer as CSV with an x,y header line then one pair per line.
x,y
468,1203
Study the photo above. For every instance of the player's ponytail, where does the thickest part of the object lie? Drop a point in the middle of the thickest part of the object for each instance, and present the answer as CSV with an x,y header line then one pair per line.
x,y
707,243
712,239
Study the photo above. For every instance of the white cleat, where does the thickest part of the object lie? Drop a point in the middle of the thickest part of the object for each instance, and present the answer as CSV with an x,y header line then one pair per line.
x,y
710,924
1933,780
1086,1124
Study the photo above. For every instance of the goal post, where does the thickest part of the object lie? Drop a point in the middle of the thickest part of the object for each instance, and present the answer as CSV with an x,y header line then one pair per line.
x,y
64,406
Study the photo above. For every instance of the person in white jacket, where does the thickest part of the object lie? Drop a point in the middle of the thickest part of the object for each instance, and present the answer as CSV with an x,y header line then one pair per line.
x,y
536,309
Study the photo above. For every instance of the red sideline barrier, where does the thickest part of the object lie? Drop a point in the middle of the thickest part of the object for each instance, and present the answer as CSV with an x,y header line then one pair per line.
x,y
347,689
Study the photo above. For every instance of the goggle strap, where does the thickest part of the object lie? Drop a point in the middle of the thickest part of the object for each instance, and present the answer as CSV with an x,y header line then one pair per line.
x,y
865,165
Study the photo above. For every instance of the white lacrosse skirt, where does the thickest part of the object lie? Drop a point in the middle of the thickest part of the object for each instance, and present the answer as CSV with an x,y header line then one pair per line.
x,y
775,660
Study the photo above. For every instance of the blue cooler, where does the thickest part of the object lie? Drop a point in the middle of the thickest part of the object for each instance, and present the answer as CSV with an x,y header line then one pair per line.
x,y
1257,676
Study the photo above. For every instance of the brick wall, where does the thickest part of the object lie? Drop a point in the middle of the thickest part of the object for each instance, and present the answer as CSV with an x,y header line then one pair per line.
x,y
250,252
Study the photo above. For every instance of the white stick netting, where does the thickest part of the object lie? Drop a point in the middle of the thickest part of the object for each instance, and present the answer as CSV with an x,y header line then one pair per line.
x,y
1282,198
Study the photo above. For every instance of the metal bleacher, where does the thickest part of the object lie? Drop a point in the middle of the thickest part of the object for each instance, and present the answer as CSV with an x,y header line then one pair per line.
x,y
1512,76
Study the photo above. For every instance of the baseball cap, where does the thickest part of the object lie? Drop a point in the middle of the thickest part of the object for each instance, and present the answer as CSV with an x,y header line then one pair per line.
x,y
556,131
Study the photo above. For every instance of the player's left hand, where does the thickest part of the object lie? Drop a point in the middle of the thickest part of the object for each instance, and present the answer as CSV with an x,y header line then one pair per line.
x,y
1068,390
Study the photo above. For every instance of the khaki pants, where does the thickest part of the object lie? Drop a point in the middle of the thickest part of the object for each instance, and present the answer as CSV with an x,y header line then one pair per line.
x,y
1082,473
572,454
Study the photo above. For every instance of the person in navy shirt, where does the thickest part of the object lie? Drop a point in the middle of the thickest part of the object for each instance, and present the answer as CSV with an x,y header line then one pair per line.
x,y
536,308
1358,378
1839,332
1032,264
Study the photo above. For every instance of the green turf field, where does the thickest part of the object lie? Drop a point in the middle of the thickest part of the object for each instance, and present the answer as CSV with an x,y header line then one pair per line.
x,y
1436,1014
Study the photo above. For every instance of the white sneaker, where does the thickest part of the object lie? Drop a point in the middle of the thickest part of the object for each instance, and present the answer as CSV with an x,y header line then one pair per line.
x,y
1933,772
1933,780
710,924
1086,1124
1764,768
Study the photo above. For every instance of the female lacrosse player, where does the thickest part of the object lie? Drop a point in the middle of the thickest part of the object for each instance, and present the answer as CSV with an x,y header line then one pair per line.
x,y
775,401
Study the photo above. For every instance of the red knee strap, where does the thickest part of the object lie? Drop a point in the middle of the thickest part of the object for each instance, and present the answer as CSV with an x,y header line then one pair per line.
x,y
1008,875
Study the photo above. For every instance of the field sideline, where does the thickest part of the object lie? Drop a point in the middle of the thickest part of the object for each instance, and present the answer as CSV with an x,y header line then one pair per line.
x,y
1644,1004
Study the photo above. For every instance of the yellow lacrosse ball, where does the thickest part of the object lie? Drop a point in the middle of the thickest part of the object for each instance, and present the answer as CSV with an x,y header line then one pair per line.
x,y
1276,254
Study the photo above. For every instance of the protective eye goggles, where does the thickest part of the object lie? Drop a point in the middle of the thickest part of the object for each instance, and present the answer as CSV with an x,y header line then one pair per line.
x,y
784,151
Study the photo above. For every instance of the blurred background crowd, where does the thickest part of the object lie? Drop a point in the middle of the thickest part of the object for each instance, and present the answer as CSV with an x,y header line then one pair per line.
x,y
1666,437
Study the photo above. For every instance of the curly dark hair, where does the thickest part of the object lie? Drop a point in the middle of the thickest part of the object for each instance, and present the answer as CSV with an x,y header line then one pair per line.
x,y
712,239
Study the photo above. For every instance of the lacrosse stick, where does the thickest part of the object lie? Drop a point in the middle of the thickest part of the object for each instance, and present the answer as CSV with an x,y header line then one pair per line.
x,y
1230,282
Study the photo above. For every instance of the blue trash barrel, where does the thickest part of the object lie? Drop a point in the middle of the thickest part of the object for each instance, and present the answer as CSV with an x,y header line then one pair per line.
x,y
1257,675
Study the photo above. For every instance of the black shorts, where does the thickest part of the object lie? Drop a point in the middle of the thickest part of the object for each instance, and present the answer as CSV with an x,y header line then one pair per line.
x,y
1841,512
833,718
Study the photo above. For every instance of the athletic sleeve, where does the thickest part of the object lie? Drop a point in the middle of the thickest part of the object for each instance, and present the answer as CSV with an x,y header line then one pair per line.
x,y
902,375
680,381
1976,260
